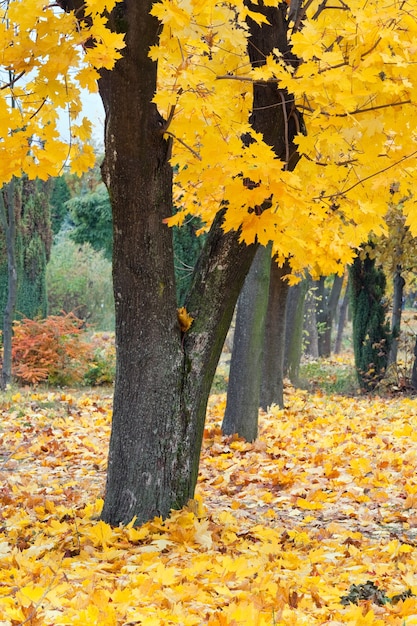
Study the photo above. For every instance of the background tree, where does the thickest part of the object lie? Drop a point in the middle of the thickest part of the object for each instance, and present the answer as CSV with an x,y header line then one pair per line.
x,y
79,281
9,283
371,334
243,390
327,301
92,218
59,196
25,239
272,381
33,246
342,317
396,254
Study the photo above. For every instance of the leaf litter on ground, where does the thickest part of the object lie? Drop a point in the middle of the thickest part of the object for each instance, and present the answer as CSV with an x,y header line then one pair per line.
x,y
313,523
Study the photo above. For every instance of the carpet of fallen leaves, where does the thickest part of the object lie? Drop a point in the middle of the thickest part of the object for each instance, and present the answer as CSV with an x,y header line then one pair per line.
x,y
279,531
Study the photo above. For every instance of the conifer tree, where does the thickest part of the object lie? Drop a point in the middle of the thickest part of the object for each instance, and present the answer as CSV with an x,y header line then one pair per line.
x,y
371,334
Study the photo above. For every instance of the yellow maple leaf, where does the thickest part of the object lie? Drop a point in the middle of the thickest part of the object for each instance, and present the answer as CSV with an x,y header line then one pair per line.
x,y
184,318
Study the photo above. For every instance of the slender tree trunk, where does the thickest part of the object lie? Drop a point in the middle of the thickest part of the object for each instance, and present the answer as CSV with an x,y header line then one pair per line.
x,y
243,391
8,220
413,380
311,341
272,384
326,312
163,378
294,330
342,319
397,307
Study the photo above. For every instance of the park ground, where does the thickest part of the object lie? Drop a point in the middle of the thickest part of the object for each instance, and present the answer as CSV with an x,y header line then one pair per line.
x,y
313,523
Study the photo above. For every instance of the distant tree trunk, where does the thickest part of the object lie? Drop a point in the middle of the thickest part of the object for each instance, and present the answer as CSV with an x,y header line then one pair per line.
x,y
342,319
294,330
326,312
33,247
243,391
8,221
371,336
413,380
397,307
243,396
272,384
311,342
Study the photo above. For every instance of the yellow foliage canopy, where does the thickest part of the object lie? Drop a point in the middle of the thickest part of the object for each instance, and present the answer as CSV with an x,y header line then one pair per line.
x,y
44,65
357,88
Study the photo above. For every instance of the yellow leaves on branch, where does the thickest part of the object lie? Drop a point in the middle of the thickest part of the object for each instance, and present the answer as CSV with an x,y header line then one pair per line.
x,y
44,66
357,89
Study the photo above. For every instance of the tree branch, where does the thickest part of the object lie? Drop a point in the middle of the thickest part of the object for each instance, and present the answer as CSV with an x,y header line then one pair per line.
x,y
360,182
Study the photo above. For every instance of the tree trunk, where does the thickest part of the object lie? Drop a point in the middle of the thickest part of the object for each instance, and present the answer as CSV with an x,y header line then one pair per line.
x,y
268,118
163,377
294,330
8,221
311,340
326,312
413,380
397,308
243,391
272,384
342,319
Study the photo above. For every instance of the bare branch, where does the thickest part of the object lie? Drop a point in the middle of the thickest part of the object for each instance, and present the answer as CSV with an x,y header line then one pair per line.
x,y
360,182
167,132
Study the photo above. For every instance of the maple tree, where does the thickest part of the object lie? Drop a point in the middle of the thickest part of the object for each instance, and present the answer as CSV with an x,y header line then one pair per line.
x,y
348,69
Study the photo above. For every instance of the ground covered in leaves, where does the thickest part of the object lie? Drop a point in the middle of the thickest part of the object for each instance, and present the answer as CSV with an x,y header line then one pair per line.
x,y
314,523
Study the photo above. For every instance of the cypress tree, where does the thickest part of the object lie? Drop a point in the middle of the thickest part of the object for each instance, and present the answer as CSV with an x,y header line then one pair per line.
x,y
371,334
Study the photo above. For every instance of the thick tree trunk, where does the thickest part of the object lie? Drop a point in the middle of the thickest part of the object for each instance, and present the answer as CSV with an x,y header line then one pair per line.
x,y
272,384
8,221
397,308
162,378
243,391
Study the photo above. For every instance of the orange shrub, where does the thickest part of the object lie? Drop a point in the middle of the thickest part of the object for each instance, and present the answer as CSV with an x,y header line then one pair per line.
x,y
52,350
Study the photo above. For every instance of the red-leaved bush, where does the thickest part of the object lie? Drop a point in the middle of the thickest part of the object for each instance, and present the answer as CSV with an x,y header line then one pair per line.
x,y
53,350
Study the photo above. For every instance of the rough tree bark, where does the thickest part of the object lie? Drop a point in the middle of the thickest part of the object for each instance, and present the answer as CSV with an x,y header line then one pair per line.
x,y
243,391
342,319
294,330
8,222
272,383
327,300
163,379
397,308
311,338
